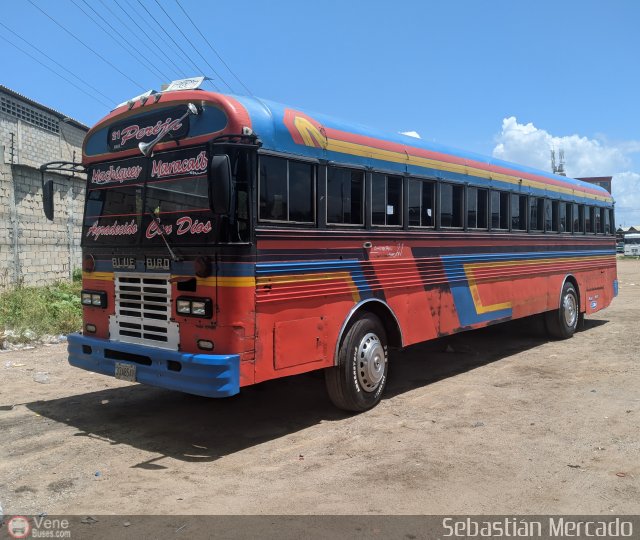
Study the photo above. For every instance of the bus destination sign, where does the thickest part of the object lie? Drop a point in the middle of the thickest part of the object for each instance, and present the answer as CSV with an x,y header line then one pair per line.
x,y
144,128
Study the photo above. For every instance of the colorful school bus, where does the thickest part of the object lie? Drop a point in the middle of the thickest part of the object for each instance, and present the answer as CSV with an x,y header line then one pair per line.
x,y
229,240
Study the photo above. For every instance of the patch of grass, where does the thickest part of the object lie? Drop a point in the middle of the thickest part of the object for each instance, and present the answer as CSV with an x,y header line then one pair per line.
x,y
28,313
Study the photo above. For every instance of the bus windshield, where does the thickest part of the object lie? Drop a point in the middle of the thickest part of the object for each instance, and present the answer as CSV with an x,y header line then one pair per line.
x,y
138,200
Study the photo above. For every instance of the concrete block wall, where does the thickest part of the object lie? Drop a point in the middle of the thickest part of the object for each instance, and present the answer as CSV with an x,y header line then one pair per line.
x,y
33,250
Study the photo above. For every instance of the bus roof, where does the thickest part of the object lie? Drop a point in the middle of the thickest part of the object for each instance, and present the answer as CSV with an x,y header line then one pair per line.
x,y
317,136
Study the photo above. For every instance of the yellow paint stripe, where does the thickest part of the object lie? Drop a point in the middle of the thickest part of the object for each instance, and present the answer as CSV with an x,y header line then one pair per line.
x,y
98,276
226,281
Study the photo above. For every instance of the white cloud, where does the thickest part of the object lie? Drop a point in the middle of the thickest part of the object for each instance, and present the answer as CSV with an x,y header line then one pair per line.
x,y
626,191
528,145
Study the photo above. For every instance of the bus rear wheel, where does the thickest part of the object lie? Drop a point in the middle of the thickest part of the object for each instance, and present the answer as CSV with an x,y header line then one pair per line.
x,y
358,381
563,322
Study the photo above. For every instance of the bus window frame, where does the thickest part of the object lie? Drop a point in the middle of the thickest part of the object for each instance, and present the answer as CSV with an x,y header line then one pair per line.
x,y
486,205
441,183
365,180
434,192
369,199
500,193
315,167
512,195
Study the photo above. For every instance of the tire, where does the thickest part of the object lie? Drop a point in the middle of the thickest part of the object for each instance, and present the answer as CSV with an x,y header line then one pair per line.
x,y
356,384
562,323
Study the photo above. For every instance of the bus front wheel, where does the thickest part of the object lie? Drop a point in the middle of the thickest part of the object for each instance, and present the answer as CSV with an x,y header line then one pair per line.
x,y
358,381
562,323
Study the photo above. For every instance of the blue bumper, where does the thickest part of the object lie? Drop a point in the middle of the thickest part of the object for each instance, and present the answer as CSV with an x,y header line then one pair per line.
x,y
206,375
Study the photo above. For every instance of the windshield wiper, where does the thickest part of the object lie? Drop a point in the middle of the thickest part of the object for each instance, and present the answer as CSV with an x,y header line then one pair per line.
x,y
155,218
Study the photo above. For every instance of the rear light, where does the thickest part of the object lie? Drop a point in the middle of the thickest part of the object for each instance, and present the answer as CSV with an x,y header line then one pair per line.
x,y
194,307
94,298
88,263
91,328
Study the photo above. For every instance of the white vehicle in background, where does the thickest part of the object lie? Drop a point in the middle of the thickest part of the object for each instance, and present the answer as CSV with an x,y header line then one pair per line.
x,y
632,245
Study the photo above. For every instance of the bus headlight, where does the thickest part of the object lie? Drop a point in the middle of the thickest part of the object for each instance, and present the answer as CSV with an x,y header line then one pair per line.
x,y
183,307
198,308
94,298
194,307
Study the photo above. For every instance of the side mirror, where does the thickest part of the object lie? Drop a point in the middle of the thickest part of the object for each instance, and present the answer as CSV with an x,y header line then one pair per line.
x,y
220,184
47,199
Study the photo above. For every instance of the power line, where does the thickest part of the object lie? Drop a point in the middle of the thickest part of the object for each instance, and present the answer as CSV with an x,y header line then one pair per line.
x,y
159,47
85,45
150,49
157,73
56,63
55,72
212,48
174,42
195,48
124,38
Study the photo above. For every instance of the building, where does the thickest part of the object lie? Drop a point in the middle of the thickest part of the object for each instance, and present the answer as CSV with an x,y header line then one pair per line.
x,y
602,181
621,231
34,251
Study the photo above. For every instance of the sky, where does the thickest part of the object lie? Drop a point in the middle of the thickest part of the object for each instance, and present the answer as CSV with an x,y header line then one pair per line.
x,y
512,79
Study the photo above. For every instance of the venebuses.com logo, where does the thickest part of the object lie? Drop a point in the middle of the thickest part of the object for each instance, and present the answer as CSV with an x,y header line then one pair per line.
x,y
39,527
18,527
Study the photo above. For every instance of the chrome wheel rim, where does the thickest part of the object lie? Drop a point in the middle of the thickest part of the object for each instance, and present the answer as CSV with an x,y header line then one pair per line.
x,y
570,310
370,362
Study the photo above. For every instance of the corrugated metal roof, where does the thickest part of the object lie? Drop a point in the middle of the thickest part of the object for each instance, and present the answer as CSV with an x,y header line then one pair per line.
x,y
67,119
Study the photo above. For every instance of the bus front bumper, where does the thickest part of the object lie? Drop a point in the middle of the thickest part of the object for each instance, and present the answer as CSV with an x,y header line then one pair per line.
x,y
208,375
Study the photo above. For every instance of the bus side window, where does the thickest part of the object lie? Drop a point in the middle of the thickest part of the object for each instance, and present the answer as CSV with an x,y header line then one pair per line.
x,y
604,221
273,189
451,202
612,221
564,224
301,192
286,190
345,196
581,219
518,212
598,220
551,216
386,200
499,210
477,208
421,207
534,218
537,209
588,219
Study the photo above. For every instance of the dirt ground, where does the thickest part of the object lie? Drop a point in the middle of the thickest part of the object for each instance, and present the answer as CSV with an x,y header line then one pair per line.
x,y
488,422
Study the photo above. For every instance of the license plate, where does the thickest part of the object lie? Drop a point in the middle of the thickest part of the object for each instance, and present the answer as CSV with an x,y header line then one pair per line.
x,y
126,372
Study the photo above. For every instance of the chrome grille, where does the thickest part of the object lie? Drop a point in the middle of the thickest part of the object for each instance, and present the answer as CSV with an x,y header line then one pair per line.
x,y
143,311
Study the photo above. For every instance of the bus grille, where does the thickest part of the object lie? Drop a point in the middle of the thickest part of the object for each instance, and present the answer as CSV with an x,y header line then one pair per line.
x,y
143,311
